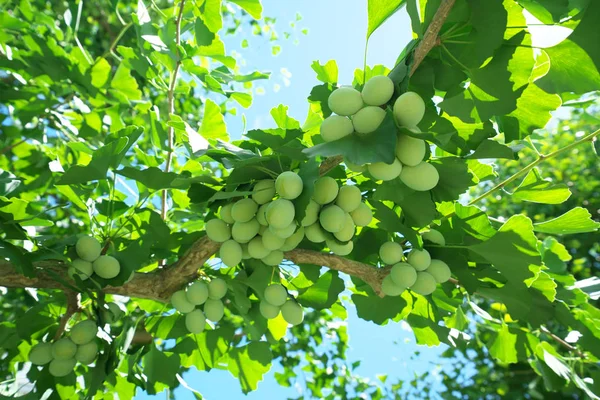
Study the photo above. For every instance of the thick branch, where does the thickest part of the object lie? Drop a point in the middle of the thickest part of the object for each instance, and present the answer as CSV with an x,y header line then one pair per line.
x,y
371,275
430,39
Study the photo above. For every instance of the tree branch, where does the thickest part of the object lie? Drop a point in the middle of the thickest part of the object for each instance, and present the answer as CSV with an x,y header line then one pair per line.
x,y
72,308
430,39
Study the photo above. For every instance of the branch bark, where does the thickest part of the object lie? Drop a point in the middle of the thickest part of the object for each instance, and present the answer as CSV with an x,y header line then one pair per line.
x,y
161,284
430,38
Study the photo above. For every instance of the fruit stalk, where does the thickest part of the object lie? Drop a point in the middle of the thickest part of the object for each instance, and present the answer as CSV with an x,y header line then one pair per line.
x,y
73,307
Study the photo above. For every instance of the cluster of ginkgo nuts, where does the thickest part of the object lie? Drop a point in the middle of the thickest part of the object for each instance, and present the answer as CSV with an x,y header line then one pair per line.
x,y
63,354
91,261
361,113
419,273
210,295
262,227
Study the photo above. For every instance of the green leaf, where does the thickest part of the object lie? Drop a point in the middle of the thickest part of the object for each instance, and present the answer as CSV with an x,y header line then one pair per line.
x,y
326,73
503,346
380,10
102,160
492,149
577,220
249,363
423,320
125,84
455,178
575,62
252,7
324,292
213,124
204,36
161,366
377,146
537,190
100,72
513,250
371,307
152,178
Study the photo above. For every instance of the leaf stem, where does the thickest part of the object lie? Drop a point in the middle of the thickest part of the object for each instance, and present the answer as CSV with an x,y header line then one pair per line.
x,y
531,165
116,41
171,106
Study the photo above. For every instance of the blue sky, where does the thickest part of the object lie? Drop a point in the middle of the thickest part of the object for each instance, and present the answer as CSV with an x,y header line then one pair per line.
x,y
337,30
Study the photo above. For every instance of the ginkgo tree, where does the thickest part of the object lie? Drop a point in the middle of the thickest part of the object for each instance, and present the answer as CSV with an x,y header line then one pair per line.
x,y
138,241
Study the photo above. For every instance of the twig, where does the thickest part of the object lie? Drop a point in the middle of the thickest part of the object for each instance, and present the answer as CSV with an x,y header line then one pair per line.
x,y
562,342
73,307
330,163
171,106
12,146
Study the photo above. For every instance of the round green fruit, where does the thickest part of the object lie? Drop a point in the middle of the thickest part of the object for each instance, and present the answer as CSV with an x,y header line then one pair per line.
x,y
197,293
280,213
347,231
362,216
275,294
268,310
82,268
41,354
242,232
385,172
378,90
245,253
434,236
315,233
403,275
261,214
244,210
230,253
312,213
59,368
439,270
332,218
284,232
63,349
345,101
422,177
389,287
264,191
336,127
84,332
390,253
289,185
409,109
106,267
355,167
368,119
340,249
88,248
419,259
225,214
271,241
293,241
87,353
425,284
214,310
292,312
180,302
257,249
196,321
410,151
217,230
217,289
348,198
326,190
274,258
